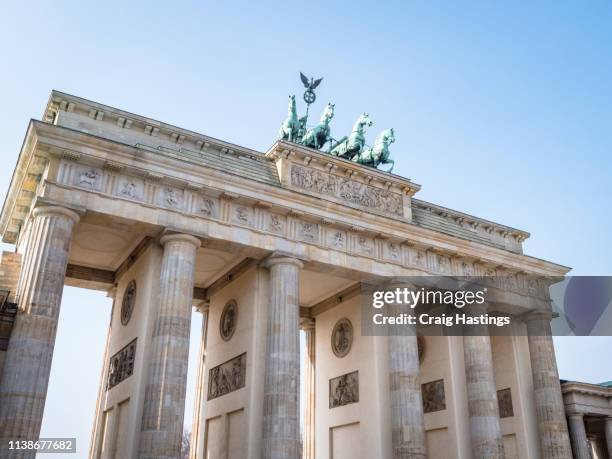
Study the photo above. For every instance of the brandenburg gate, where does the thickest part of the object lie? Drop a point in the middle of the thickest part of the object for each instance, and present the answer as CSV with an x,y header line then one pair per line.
x,y
265,246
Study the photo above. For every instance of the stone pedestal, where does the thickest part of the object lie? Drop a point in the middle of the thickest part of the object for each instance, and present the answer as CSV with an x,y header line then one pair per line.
x,y
485,427
281,431
550,410
608,427
407,422
308,445
23,387
580,442
164,405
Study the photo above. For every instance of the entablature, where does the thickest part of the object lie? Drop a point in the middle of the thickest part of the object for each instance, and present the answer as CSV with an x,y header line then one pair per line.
x,y
127,175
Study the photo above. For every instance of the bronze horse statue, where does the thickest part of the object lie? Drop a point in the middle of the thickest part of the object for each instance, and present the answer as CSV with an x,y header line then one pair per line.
x,y
319,135
351,146
379,153
290,127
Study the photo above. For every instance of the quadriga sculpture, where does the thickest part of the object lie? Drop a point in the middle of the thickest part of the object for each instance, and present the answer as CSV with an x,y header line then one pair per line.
x,y
379,153
350,147
319,135
290,127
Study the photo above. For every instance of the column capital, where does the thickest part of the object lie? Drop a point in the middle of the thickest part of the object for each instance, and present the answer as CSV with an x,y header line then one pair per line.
x,y
203,306
399,282
56,210
181,237
307,324
111,292
538,314
280,258
575,415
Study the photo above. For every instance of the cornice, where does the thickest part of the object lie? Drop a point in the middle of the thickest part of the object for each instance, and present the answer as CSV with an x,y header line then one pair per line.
x,y
570,387
123,158
59,100
473,221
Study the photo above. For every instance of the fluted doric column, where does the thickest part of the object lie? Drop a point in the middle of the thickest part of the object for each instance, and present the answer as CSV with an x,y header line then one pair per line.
x,y
281,430
308,447
580,442
550,409
485,426
164,404
407,421
608,427
25,377
197,427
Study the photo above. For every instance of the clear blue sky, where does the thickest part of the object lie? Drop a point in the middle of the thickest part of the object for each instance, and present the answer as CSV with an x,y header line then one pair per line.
x,y
501,109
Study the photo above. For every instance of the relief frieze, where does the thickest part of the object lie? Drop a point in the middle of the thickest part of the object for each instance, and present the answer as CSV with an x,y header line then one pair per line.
x,y
131,188
171,198
350,191
208,207
328,233
344,389
433,395
121,365
227,377
504,400
89,178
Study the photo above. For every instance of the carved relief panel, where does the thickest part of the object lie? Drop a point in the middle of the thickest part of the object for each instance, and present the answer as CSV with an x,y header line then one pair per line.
x,y
364,245
336,239
434,398
88,177
346,190
242,214
170,197
121,365
344,389
227,377
392,251
504,399
130,188
206,206
307,231
276,223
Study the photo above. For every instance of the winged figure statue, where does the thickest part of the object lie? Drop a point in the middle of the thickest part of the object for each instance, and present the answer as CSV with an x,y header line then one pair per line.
x,y
310,84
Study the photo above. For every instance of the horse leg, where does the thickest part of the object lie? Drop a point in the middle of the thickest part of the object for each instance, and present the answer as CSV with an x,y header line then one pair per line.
x,y
389,161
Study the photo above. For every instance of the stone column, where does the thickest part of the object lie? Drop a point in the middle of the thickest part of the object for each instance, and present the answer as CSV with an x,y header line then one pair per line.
x,y
25,378
308,448
407,422
96,434
550,409
164,404
281,428
485,426
580,442
608,429
197,426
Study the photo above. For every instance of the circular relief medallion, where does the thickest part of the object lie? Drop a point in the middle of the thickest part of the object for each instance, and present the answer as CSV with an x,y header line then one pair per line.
x,y
129,300
229,318
342,337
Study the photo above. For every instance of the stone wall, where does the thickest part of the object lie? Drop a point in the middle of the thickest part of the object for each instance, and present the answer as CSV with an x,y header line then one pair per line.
x,y
119,409
352,414
232,411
